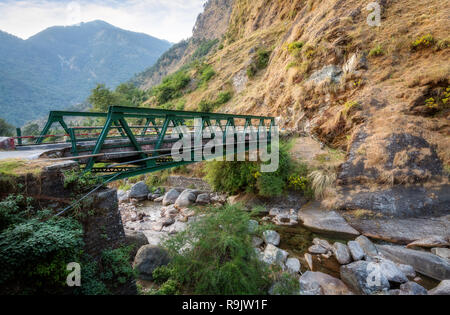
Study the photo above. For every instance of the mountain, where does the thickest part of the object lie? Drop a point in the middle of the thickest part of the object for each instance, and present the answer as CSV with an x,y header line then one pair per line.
x,y
58,67
210,26
377,96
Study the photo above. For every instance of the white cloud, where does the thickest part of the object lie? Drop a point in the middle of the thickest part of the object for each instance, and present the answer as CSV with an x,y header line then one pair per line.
x,y
167,19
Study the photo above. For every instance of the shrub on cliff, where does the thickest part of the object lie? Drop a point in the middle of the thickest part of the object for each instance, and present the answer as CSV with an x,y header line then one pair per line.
x,y
215,256
34,254
235,177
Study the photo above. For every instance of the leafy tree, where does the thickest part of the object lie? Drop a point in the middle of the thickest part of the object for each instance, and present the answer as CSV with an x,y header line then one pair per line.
x,y
6,130
102,97
31,130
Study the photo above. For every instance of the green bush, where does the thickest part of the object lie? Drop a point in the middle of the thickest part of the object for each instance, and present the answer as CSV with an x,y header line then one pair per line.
x,y
235,177
251,71
209,106
171,87
116,265
295,48
223,97
81,182
286,285
423,42
260,62
35,254
376,51
214,255
204,48
6,130
13,210
263,57
206,74
206,106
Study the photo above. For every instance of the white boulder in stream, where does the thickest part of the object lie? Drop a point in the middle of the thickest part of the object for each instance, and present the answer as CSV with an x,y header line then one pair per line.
x,y
318,283
442,289
364,277
293,265
139,191
271,238
342,253
185,199
392,272
367,246
320,220
423,262
355,250
274,256
170,197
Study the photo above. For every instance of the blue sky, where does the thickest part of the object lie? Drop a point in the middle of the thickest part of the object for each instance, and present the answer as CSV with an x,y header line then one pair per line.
x,y
172,20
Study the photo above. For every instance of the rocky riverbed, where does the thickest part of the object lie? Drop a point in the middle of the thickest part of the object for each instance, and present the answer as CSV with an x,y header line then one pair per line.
x,y
323,249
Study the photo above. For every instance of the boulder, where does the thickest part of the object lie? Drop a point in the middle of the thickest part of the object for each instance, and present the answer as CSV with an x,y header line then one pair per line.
x,y
135,238
274,212
203,199
257,241
342,253
318,283
170,197
152,197
323,243
123,196
442,289
159,199
253,226
185,199
317,250
272,237
324,221
367,246
412,288
441,252
139,191
364,277
430,242
402,231
426,263
392,272
309,261
293,265
167,221
274,256
356,250
407,270
147,259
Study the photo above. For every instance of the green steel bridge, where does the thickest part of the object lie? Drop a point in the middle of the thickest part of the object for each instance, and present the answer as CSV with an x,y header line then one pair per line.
x,y
129,141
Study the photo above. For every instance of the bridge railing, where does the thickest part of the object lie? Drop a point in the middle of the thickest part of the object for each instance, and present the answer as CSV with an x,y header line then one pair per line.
x,y
147,131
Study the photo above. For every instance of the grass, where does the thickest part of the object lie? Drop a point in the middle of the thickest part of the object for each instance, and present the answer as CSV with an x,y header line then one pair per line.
x,y
350,106
321,182
15,167
376,51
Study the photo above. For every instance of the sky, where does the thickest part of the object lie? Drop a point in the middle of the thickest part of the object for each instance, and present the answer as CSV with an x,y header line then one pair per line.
x,y
172,20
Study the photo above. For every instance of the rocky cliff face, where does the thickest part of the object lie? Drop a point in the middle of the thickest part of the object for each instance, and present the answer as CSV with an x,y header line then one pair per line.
x,y
213,22
381,93
210,25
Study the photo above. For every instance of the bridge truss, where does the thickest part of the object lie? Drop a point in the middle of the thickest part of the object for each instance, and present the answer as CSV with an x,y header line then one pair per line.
x,y
130,141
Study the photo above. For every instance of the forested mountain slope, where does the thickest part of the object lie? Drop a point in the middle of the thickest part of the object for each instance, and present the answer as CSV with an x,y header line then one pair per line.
x,y
59,66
